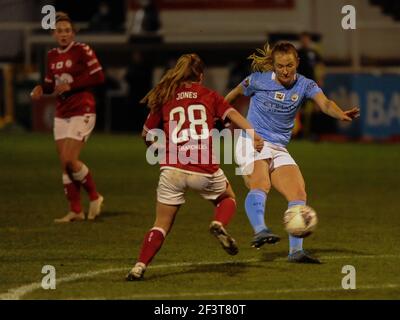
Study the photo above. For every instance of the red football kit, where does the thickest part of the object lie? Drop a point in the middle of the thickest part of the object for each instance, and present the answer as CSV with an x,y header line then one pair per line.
x,y
78,66
187,120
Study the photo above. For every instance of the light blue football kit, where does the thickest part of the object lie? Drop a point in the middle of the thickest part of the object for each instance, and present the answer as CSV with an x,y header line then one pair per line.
x,y
273,107
272,113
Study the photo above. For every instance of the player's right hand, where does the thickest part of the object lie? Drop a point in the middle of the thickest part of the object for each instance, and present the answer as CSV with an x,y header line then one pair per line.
x,y
258,142
351,114
37,92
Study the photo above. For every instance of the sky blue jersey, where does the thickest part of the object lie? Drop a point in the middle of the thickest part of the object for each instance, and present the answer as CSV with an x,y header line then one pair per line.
x,y
273,107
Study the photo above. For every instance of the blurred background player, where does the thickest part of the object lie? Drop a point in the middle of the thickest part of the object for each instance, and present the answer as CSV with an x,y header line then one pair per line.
x,y
139,77
310,66
309,57
72,69
147,18
277,91
186,111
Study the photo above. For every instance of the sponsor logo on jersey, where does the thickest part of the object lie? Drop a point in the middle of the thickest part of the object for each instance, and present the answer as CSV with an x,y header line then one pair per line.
x,y
63,78
279,96
311,86
295,97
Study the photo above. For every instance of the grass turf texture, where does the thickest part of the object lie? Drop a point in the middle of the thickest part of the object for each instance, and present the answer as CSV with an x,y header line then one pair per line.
x,y
352,187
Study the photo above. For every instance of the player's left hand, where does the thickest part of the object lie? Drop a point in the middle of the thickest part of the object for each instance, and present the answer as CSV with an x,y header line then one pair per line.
x,y
352,114
61,88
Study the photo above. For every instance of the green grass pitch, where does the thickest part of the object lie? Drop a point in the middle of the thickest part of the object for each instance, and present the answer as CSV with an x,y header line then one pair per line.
x,y
353,187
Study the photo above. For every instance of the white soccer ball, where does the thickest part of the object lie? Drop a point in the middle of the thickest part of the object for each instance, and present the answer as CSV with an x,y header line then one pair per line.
x,y
300,221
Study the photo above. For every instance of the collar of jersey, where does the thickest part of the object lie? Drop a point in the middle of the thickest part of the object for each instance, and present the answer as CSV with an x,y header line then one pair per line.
x,y
66,49
273,77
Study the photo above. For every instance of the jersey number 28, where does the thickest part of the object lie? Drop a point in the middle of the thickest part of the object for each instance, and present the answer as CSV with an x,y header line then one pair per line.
x,y
180,135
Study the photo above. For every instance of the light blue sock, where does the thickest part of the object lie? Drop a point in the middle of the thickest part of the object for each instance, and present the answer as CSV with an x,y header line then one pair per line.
x,y
296,244
255,209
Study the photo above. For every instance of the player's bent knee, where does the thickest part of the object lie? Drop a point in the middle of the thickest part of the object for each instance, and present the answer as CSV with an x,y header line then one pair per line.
x,y
229,194
224,197
70,164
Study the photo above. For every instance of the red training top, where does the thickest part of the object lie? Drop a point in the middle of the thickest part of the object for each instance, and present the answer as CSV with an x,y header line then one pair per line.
x,y
187,120
78,66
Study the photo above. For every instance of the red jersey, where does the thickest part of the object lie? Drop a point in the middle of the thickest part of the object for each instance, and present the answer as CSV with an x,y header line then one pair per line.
x,y
78,66
187,120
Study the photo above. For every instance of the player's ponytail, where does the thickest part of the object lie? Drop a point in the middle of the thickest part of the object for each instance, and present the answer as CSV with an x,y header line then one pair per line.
x,y
264,62
189,67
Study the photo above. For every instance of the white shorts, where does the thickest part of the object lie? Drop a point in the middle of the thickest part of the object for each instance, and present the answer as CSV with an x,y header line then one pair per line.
x,y
245,155
173,184
78,127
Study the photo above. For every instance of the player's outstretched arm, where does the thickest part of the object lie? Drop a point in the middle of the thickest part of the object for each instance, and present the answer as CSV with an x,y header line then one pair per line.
x,y
235,93
242,123
330,108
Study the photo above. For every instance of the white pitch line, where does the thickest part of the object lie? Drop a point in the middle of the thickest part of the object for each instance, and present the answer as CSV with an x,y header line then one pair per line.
x,y
19,292
250,292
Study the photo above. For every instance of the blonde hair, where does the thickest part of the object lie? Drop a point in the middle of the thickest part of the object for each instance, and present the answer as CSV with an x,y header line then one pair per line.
x,y
264,62
189,67
62,16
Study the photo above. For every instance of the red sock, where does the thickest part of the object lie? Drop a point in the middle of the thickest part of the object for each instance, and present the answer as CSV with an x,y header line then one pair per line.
x,y
225,210
152,242
86,180
90,187
72,192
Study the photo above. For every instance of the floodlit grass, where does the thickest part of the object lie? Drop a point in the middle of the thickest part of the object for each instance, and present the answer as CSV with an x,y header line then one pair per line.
x,y
353,187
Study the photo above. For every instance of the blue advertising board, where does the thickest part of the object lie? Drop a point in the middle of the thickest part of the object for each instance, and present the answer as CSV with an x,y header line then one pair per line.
x,y
378,97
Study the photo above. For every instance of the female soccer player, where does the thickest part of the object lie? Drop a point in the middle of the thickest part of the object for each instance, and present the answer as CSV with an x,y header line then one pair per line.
x,y
72,69
185,110
277,92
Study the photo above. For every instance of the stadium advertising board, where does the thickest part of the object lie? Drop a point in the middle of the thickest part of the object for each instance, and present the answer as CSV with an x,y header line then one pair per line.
x,y
378,98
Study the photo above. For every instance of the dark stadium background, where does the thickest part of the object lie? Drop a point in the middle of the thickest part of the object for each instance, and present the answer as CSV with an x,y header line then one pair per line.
x,y
351,172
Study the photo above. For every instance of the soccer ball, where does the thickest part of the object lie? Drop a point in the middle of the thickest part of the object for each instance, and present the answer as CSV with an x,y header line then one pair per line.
x,y
300,221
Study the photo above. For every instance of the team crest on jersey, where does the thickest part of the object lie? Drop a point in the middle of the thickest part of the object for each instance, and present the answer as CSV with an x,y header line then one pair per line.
x,y
68,63
295,97
279,96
